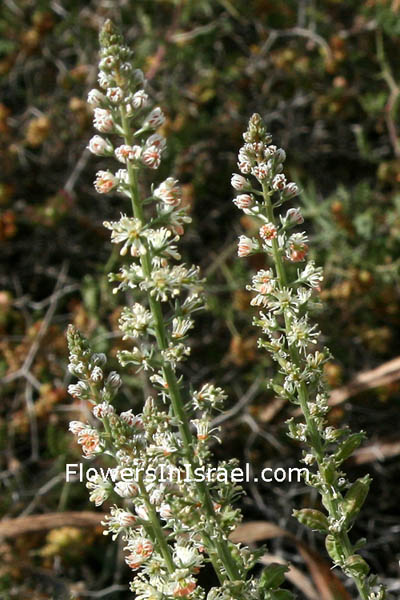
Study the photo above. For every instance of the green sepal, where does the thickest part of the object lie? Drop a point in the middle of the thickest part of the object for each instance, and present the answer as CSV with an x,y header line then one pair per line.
x,y
281,595
314,519
359,544
328,470
355,497
272,576
356,566
334,549
347,447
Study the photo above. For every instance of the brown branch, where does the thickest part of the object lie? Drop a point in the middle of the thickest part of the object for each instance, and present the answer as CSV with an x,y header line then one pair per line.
x,y
35,523
385,374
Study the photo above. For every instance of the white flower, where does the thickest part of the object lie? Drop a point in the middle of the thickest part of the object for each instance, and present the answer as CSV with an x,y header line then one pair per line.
x,y
131,419
103,79
79,390
140,546
165,511
134,320
209,396
123,177
105,182
156,140
301,333
76,427
90,441
186,557
100,490
128,230
103,120
311,275
124,518
268,232
180,327
269,151
141,512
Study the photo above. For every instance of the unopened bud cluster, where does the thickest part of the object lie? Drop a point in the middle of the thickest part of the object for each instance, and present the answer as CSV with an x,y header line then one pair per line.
x,y
285,294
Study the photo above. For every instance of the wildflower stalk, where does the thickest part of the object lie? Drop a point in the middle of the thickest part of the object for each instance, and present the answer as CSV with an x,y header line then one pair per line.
x,y
316,440
286,300
173,527
219,547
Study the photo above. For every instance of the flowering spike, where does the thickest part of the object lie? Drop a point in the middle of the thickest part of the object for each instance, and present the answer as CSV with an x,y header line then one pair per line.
x,y
286,300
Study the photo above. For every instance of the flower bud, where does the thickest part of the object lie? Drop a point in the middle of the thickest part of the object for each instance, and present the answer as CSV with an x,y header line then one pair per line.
x,y
294,215
244,201
155,119
140,99
239,182
99,146
245,246
290,190
126,489
105,182
115,95
151,157
96,98
96,375
279,182
103,410
114,380
103,120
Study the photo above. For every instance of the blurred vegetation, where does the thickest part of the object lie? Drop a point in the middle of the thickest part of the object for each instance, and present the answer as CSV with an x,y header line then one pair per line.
x,y
325,76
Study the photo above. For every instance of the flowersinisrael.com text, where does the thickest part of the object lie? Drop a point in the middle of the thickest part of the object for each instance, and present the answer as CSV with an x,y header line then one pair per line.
x,y
166,473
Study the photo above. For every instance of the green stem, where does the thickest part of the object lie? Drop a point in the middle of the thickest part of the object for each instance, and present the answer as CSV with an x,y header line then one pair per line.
x,y
218,545
316,440
156,528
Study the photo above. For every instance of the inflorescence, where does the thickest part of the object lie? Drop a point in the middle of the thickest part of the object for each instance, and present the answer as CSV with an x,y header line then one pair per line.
x,y
285,296
170,529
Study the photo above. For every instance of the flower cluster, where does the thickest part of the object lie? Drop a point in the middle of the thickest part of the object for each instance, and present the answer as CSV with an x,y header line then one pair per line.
x,y
171,525
285,295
